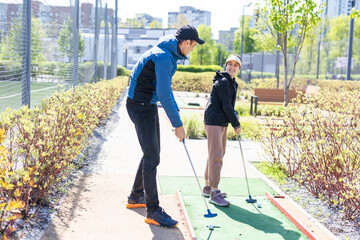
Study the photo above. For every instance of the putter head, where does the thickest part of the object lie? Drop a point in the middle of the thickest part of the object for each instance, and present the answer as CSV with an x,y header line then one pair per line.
x,y
251,200
209,214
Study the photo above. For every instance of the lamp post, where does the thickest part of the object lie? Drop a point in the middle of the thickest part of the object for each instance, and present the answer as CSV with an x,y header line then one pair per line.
x,y
351,34
242,32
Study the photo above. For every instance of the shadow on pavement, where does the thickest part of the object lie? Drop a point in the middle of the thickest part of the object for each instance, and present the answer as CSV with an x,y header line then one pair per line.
x,y
158,232
261,222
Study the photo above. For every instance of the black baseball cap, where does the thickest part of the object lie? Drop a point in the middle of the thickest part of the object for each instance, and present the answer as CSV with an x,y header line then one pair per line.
x,y
188,32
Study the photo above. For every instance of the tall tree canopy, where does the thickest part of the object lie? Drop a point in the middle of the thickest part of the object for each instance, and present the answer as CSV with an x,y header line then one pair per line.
x,y
289,20
66,38
202,54
12,46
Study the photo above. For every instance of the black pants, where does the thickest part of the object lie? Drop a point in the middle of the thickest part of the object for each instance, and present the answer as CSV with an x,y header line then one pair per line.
x,y
146,119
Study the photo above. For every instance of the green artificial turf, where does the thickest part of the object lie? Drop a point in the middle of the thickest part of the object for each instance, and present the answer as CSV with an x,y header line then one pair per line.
x,y
232,186
240,220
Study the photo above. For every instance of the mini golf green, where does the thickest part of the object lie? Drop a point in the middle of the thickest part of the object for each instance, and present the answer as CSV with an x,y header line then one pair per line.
x,y
241,220
233,186
183,104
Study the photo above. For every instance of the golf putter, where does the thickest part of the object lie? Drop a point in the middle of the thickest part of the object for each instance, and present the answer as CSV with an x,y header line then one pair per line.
x,y
209,214
250,199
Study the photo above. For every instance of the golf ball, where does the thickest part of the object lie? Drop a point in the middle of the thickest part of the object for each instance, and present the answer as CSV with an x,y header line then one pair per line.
x,y
211,226
259,205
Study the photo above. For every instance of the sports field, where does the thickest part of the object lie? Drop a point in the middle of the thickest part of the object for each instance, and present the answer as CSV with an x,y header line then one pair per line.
x,y
11,93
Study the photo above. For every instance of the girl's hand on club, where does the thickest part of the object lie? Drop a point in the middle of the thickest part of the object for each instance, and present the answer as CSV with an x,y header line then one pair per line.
x,y
238,131
180,133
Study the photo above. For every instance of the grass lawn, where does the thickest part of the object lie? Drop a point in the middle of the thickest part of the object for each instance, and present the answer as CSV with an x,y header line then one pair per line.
x,y
10,93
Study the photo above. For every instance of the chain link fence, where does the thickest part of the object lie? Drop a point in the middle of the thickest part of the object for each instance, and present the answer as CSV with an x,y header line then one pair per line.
x,y
42,48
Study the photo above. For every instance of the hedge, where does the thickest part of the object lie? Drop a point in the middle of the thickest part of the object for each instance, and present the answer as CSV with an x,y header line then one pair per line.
x,y
199,68
37,146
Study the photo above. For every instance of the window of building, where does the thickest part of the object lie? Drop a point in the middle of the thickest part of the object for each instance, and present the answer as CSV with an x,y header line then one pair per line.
x,y
137,49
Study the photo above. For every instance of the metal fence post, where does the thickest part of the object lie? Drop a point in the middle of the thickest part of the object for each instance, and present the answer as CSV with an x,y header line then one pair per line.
x,y
251,105
262,64
96,39
116,38
112,56
113,67
254,101
76,46
26,61
106,42
351,35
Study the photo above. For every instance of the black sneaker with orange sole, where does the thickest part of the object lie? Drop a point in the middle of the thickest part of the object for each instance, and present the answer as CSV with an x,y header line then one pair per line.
x,y
136,202
160,218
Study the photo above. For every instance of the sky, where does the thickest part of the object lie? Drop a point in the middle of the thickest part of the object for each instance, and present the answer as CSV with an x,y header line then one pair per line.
x,y
224,14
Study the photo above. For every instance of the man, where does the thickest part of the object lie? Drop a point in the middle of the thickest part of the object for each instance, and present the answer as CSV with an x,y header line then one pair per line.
x,y
150,81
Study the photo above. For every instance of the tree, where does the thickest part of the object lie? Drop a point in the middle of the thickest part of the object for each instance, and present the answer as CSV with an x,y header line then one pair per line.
x,y
249,41
309,53
65,40
102,24
181,20
134,23
263,41
11,47
283,19
155,24
202,54
338,32
355,13
219,54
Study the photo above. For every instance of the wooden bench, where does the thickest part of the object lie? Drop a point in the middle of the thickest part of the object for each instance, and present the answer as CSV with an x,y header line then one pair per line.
x,y
270,96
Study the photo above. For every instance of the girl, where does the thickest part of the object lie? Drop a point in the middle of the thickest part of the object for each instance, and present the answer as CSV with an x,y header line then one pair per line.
x,y
219,113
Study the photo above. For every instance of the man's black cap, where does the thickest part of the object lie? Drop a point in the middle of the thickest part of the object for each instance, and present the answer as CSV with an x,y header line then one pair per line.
x,y
188,33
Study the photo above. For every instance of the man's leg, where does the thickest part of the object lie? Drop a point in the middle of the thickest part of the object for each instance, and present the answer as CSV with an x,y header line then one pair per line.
x,y
146,122
145,118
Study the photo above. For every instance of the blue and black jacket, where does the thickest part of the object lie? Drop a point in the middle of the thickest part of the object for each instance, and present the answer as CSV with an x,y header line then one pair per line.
x,y
220,106
150,80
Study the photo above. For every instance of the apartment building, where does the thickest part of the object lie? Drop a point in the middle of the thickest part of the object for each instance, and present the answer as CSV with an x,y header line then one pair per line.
x,y
191,15
336,8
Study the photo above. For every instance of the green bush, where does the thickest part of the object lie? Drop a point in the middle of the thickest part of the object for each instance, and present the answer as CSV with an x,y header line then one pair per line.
x,y
242,108
193,125
197,82
199,68
250,128
320,150
255,75
193,82
270,110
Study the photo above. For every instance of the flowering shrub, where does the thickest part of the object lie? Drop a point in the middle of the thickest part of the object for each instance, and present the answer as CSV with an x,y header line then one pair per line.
x,y
197,82
318,145
41,143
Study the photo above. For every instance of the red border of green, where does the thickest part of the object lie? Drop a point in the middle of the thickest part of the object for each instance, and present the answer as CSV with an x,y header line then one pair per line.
x,y
293,219
186,216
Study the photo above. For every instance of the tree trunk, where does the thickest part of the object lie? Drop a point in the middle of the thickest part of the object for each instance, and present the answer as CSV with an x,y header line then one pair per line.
x,y
277,63
286,86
